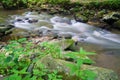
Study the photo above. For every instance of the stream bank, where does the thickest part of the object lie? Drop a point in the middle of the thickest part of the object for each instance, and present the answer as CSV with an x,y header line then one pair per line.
x,y
91,19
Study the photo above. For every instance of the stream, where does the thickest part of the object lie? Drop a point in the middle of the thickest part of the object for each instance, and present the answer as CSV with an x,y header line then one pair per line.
x,y
106,44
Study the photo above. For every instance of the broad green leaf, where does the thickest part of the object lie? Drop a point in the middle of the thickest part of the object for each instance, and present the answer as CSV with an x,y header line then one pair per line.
x,y
79,63
23,71
13,77
73,68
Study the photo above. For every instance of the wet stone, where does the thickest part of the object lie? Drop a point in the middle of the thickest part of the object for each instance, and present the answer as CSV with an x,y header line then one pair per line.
x,y
66,35
33,21
110,18
80,18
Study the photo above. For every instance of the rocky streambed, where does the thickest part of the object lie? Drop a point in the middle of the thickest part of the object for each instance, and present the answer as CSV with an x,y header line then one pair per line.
x,y
40,25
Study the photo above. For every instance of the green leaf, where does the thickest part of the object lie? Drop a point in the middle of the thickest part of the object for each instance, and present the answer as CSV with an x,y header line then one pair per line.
x,y
33,78
23,71
88,61
79,62
71,55
86,53
91,75
22,40
16,60
28,77
73,68
13,77
8,59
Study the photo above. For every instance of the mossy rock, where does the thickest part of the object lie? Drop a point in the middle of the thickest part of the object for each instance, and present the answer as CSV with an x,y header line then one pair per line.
x,y
4,30
112,17
101,13
60,65
65,43
80,18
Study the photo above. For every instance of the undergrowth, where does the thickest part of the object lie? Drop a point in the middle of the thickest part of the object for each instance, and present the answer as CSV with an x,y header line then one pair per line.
x,y
19,61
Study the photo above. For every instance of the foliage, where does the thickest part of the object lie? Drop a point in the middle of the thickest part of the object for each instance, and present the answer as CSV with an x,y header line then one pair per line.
x,y
58,1
80,58
21,61
52,49
113,4
108,4
50,3
14,4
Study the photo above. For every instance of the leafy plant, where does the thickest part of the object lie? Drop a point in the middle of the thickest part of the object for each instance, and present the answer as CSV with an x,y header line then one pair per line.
x,y
21,61
53,49
14,4
107,4
54,76
18,61
80,58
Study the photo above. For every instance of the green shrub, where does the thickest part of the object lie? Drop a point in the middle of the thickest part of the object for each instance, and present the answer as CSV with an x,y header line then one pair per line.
x,y
20,60
81,58
112,4
58,1
37,3
108,4
14,4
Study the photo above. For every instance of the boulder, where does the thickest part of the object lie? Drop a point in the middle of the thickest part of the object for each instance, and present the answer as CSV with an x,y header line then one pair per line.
x,y
64,43
90,47
101,13
4,30
45,31
60,65
112,17
80,18
66,35
53,11
23,34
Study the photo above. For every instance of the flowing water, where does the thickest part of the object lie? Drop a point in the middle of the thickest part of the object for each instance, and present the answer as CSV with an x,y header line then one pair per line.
x,y
4,16
105,43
